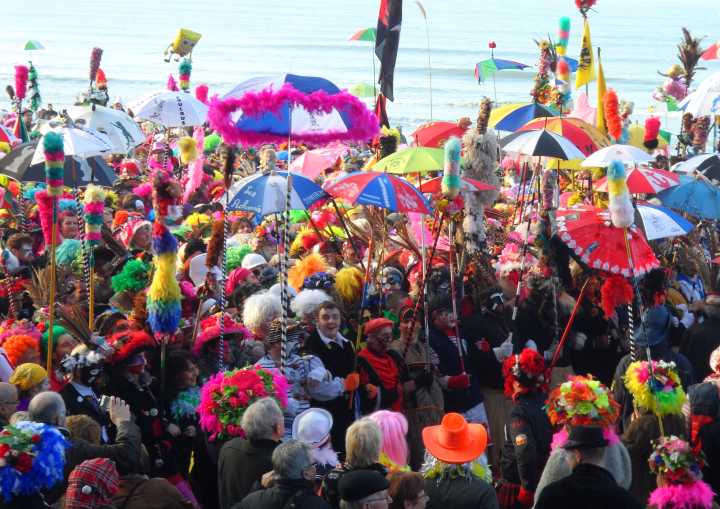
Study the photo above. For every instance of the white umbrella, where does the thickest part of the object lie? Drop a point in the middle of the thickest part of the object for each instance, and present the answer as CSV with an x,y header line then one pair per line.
x,y
705,100
123,131
661,222
171,109
78,142
700,163
622,153
542,143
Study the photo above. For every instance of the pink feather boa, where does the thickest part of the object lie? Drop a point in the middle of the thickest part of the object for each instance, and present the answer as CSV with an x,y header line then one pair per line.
x,y
45,211
682,496
21,79
561,437
195,169
364,123
143,190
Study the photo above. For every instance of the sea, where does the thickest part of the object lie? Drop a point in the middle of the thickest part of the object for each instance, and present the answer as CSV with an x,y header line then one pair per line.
x,y
434,76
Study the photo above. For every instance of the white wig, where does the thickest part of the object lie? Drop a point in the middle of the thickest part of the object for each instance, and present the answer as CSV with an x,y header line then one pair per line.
x,y
260,309
306,302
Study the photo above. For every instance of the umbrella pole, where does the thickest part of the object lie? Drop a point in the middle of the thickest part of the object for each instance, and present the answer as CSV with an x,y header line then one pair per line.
x,y
347,232
53,285
372,53
453,294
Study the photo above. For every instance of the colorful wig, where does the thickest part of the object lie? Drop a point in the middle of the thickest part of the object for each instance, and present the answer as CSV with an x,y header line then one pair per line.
x,y
394,428
582,401
349,283
311,264
527,369
17,346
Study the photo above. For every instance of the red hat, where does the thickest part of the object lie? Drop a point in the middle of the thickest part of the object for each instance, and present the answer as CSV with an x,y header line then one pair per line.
x,y
129,343
455,441
376,324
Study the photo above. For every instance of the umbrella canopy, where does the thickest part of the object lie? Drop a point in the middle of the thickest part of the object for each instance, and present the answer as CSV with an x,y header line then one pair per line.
x,y
79,142
364,34
304,108
312,162
435,134
660,222
486,68
412,160
466,184
707,164
265,193
380,189
7,135
541,143
705,100
362,90
123,131
591,235
511,117
695,196
79,171
622,153
584,136
32,45
712,53
170,109
644,180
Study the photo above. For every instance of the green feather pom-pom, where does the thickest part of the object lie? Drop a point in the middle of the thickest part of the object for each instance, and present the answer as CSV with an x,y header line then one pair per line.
x,y
565,23
211,142
53,142
133,277
235,255
185,67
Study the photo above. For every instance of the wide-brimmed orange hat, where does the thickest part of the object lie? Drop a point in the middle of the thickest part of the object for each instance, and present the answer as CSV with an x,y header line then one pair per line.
x,y
455,440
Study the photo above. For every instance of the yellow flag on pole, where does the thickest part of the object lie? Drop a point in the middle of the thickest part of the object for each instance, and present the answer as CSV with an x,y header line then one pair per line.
x,y
586,63
601,89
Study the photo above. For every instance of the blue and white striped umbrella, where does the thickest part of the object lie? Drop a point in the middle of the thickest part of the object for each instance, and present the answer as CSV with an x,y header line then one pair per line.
x,y
265,194
661,222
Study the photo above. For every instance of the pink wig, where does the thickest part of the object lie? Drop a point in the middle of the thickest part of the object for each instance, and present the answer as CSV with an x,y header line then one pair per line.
x,y
394,428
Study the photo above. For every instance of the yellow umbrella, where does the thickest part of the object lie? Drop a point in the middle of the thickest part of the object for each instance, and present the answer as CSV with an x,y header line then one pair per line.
x,y
412,160
636,137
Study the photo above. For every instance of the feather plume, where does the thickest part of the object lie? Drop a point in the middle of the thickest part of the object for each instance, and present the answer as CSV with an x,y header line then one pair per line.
x,y
615,292
95,58
45,212
75,320
101,80
188,149
652,129
689,51
450,184
201,93
172,84
620,206
483,115
215,244
94,205
21,79
349,283
33,89
195,169
311,264
184,70
54,163
612,115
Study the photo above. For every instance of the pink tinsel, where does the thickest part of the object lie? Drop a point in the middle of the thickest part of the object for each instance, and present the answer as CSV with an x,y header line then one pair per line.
x,y
21,78
364,123
172,84
45,205
201,93
195,169
143,190
561,437
683,496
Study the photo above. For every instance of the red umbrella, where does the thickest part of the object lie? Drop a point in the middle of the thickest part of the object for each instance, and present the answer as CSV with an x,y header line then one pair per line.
x,y
434,185
589,232
434,134
379,189
644,180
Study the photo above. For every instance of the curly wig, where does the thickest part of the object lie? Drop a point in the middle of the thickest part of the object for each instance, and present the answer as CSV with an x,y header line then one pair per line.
x,y
16,347
528,369
306,302
259,310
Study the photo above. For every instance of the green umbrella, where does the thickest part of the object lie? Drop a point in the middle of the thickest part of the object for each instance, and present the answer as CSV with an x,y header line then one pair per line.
x,y
33,45
412,160
364,34
362,90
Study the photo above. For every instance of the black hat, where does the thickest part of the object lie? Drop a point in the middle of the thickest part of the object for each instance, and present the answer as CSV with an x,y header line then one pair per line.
x,y
585,437
358,484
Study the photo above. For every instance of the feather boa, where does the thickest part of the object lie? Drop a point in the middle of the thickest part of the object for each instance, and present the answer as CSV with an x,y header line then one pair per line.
x,y
612,115
450,184
45,211
363,122
21,79
195,168
683,496
54,163
201,93
652,129
622,213
615,292
163,296
95,58
94,201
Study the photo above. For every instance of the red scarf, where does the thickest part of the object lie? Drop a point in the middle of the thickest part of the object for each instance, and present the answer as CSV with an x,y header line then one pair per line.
x,y
388,372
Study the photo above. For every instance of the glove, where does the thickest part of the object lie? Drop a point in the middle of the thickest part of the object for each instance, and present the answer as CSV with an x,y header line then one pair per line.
x,y
372,391
503,351
526,498
352,382
459,381
425,379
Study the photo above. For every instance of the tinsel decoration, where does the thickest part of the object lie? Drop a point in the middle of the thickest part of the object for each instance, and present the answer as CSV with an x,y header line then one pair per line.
x,y
542,91
172,84
101,80
450,184
612,114
95,58
94,205
620,205
652,130
54,163
184,70
21,79
34,92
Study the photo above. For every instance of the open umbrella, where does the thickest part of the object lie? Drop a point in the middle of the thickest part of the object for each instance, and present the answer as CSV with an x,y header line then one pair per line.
x,y
622,153
707,164
712,52
584,136
435,134
304,108
364,34
644,180
380,189
7,135
412,160
79,142
511,117
265,193
661,222
705,100
695,196
312,162
362,90
123,131
542,143
591,235
33,45
170,109
466,184
79,171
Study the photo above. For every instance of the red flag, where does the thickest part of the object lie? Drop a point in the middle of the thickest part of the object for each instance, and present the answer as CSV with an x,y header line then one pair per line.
x,y
381,112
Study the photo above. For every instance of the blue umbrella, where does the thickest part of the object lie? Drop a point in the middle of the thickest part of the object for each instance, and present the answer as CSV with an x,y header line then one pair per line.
x,y
696,196
265,194
661,222
489,67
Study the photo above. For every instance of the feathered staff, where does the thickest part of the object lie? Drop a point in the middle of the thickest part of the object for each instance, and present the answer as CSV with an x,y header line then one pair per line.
x,y
652,130
450,184
184,70
34,92
562,69
612,114
620,205
94,206
54,167
21,79
101,80
172,84
201,93
95,58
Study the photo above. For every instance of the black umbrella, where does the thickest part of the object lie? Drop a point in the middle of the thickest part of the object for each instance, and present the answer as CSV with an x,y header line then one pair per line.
x,y
541,143
79,171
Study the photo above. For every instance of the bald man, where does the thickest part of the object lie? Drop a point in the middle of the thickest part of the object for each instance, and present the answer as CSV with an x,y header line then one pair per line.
x,y
8,402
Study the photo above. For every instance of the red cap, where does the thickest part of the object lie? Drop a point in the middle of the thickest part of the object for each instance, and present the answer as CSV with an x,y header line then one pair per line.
x,y
376,324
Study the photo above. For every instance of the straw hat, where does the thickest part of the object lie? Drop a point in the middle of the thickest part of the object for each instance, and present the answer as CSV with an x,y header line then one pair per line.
x,y
312,426
455,440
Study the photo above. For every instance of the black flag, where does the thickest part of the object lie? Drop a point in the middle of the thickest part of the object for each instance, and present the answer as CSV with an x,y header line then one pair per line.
x,y
387,41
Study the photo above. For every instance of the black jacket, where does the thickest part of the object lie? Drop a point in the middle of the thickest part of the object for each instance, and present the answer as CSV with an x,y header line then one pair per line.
x,y
241,464
456,400
330,491
290,494
699,342
527,442
75,404
588,487
460,493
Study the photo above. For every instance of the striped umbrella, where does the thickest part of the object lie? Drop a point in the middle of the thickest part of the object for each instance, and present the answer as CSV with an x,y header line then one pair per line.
x,y
542,143
644,180
512,117
661,222
381,190
266,193
584,136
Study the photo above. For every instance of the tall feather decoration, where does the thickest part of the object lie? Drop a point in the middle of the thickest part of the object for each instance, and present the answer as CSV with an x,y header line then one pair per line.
x,y
34,92
689,51
21,79
188,149
54,163
612,115
94,205
45,212
172,84
450,184
483,117
620,205
95,58
652,130
195,169
184,70
201,93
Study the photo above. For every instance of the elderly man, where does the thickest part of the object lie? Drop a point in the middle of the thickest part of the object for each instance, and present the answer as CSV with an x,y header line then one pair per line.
x,y
243,461
382,372
293,476
8,402
364,489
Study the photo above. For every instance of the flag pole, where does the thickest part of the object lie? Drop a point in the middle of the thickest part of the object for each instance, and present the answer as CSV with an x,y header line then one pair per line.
x,y
427,37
